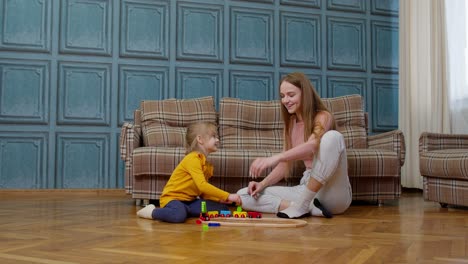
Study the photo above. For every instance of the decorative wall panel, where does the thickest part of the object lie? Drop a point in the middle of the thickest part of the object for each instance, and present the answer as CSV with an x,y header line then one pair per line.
x,y
86,26
144,29
23,160
251,36
84,94
25,25
300,40
200,32
196,82
340,86
82,160
385,7
304,3
347,44
384,46
261,1
384,104
316,81
347,5
24,91
251,85
137,83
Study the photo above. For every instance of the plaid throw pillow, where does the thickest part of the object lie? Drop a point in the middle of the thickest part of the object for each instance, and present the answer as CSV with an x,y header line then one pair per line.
x,y
164,122
250,124
349,115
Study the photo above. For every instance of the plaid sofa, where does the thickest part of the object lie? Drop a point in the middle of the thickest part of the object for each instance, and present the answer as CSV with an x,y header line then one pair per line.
x,y
443,163
153,145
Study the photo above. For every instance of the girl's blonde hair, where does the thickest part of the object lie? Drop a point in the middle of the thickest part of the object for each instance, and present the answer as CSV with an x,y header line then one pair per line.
x,y
198,129
311,104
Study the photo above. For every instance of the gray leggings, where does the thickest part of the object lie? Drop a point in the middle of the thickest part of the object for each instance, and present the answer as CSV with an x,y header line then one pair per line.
x,y
330,167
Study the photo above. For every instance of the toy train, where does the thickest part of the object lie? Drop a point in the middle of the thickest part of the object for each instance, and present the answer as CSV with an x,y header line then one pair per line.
x,y
236,214
226,213
222,213
207,215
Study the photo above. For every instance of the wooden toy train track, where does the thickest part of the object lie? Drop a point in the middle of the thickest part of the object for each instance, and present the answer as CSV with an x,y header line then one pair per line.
x,y
257,222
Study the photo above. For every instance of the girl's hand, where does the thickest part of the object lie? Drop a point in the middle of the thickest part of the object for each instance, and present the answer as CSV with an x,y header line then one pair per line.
x,y
234,198
260,164
255,188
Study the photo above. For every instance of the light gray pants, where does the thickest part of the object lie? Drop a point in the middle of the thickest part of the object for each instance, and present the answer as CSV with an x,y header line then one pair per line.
x,y
330,167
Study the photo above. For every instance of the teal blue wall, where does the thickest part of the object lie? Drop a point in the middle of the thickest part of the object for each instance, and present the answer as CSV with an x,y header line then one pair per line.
x,y
73,71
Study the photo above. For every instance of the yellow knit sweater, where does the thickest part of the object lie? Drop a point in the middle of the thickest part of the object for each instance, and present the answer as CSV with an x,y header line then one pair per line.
x,y
190,180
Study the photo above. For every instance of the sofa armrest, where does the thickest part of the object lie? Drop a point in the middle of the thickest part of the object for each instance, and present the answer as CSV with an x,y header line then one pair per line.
x,y
129,140
391,140
438,141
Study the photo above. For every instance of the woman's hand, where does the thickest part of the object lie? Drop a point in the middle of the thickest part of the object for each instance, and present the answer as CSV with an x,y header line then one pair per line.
x,y
255,188
260,164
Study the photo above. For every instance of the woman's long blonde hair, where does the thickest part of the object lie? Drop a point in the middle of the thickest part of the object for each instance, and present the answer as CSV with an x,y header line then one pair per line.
x,y
198,129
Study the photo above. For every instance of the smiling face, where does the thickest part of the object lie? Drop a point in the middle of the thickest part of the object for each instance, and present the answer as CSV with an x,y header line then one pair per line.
x,y
291,97
202,137
210,142
208,138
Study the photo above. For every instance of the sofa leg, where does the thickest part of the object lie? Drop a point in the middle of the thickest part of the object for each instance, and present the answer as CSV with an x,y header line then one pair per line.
x,y
142,202
443,205
138,202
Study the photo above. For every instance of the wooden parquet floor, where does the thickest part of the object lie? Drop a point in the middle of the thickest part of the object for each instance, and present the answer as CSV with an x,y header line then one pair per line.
x,y
101,227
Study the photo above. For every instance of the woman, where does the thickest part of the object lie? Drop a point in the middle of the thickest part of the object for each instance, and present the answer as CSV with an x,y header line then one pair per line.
x,y
309,136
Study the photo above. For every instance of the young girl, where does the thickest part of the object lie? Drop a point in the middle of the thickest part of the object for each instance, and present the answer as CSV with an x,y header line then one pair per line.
x,y
189,181
309,136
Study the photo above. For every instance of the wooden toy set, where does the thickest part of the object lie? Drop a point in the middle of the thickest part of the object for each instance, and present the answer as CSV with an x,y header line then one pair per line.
x,y
243,218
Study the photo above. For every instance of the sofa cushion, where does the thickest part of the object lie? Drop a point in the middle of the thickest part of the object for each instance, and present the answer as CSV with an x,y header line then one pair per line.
x,y
350,120
164,122
446,163
250,124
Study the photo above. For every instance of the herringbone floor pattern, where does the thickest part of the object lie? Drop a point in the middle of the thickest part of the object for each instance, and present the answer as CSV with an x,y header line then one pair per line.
x,y
101,227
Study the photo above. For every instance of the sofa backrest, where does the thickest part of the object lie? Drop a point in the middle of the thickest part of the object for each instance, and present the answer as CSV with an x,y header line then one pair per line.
x,y
164,122
258,125
242,123
250,124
